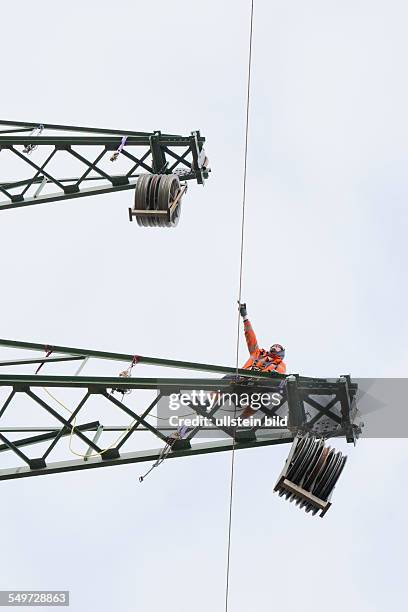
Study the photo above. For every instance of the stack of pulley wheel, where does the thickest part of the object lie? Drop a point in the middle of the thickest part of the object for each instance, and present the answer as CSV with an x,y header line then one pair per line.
x,y
157,200
310,474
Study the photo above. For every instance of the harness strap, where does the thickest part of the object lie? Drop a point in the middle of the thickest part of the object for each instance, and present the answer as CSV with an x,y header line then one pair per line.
x,y
119,149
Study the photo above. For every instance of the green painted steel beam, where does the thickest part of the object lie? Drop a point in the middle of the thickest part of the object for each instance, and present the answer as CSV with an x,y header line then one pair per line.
x,y
56,197
76,128
16,362
39,179
96,384
22,381
142,457
64,141
127,357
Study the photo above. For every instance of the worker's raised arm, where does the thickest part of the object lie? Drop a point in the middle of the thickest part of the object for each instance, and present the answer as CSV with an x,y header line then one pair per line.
x,y
250,336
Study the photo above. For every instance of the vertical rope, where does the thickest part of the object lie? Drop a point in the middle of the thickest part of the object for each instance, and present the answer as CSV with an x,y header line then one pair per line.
x,y
244,189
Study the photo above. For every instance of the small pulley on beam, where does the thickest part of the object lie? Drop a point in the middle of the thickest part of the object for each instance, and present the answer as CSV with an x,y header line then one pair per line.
x,y
126,374
310,474
157,200
37,131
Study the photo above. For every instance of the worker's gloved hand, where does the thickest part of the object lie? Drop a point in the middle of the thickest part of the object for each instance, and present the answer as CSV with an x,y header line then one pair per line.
x,y
243,311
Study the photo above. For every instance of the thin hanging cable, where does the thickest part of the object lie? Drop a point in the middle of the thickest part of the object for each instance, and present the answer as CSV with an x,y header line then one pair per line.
x,y
244,189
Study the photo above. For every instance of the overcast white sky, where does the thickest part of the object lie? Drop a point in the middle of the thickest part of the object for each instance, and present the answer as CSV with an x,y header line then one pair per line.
x,y
324,273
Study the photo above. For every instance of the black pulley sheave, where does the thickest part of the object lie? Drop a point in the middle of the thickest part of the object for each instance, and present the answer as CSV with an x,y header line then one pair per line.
x,y
313,468
159,194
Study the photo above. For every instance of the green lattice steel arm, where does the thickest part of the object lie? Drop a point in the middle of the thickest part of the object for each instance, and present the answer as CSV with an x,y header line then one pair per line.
x,y
144,152
334,409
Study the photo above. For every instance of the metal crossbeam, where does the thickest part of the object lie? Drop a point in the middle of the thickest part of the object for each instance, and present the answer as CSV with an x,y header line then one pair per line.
x,y
128,357
335,405
139,457
37,145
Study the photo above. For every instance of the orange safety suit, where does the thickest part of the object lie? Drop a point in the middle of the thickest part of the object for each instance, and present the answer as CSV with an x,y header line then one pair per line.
x,y
259,358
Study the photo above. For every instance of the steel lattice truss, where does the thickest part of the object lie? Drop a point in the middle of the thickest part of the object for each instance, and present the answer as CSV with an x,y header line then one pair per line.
x,y
40,149
320,406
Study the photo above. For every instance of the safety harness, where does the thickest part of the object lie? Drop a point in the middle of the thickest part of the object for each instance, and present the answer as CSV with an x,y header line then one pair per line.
x,y
263,357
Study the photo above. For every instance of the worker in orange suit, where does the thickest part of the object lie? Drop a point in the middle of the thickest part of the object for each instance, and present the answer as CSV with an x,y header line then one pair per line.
x,y
260,359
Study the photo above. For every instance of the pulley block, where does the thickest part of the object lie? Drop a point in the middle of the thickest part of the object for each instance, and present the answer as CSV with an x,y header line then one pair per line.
x,y
157,200
310,474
